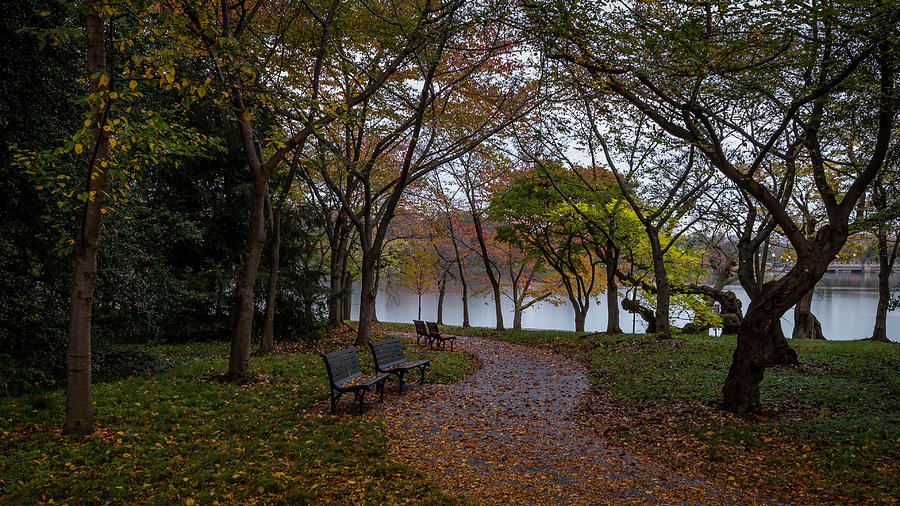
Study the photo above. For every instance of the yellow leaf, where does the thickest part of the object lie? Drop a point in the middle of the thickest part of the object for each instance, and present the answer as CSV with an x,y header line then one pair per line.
x,y
132,84
87,122
170,77
201,92
104,80
189,501
112,142
79,148
247,116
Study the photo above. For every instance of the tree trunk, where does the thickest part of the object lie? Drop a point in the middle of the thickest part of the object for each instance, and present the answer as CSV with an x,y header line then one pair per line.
x,y
495,283
517,319
663,329
442,289
806,325
79,398
612,290
267,343
886,258
347,293
338,268
419,317
879,333
462,277
366,300
580,316
239,361
759,344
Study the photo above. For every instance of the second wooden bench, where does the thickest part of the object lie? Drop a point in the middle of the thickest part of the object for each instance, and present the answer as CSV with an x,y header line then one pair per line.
x,y
389,358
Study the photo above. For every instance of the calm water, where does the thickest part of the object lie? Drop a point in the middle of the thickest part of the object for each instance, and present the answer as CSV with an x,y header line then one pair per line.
x,y
844,303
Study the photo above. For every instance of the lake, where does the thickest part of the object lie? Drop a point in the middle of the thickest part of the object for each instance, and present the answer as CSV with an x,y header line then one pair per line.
x,y
843,302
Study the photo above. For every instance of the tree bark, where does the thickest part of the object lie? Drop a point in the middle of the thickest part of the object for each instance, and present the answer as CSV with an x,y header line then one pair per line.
x,y
347,294
366,300
886,258
267,343
79,397
806,325
442,290
612,289
580,316
663,329
462,277
338,269
495,283
239,361
879,332
759,345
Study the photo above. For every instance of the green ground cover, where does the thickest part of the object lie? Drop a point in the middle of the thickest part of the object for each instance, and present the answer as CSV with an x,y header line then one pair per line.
x,y
180,437
829,430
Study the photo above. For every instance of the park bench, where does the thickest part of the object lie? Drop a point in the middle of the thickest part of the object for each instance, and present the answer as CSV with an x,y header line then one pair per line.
x,y
422,332
389,358
436,336
344,376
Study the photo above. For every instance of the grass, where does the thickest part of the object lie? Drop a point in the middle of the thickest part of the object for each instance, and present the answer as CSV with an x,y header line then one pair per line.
x,y
829,431
176,437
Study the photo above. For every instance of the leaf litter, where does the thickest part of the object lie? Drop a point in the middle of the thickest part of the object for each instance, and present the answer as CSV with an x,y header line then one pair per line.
x,y
510,433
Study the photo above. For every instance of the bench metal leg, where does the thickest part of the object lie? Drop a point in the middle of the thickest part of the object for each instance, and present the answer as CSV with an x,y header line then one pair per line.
x,y
422,380
361,395
334,399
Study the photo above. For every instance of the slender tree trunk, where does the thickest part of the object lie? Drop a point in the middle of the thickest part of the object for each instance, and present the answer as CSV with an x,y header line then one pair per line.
x,y
886,257
366,299
495,283
663,329
806,325
879,333
375,290
338,268
79,398
612,290
240,343
442,289
462,277
267,343
347,292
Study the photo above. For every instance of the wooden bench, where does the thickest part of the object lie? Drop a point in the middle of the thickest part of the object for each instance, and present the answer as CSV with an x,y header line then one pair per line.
x,y
436,336
344,376
422,331
389,358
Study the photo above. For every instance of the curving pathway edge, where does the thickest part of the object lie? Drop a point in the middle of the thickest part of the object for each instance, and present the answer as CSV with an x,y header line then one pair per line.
x,y
507,434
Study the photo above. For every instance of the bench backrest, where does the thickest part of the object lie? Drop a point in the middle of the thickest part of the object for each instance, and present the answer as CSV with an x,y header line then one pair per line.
x,y
342,365
387,353
420,328
433,329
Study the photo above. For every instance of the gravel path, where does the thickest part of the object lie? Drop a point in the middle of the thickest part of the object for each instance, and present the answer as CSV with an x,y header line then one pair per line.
x,y
507,434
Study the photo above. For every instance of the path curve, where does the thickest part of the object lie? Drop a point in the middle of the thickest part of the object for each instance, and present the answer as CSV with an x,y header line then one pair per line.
x,y
507,434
